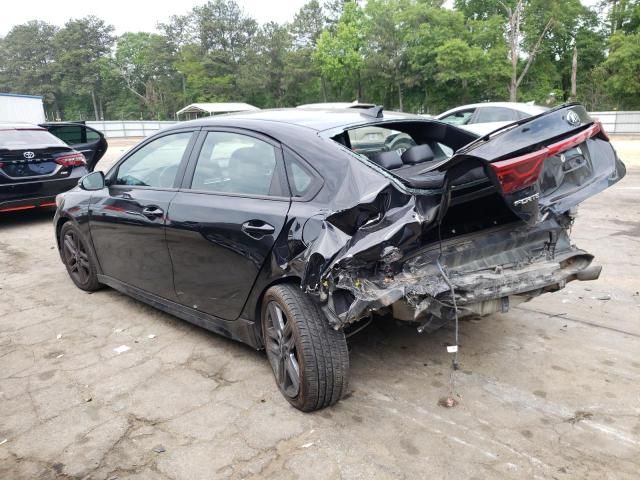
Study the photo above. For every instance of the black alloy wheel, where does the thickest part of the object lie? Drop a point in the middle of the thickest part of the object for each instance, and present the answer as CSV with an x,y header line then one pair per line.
x,y
309,358
77,258
281,350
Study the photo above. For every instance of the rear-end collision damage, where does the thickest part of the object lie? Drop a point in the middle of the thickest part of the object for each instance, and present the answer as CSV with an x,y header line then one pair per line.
x,y
475,234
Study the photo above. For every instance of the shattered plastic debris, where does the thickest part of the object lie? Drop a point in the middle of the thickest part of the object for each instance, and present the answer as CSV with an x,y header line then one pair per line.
x,y
4,441
447,402
159,449
60,356
579,416
119,330
307,445
151,335
121,349
59,336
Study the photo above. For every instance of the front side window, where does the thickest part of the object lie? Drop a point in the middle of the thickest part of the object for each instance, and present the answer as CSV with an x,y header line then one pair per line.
x,y
461,117
156,164
236,163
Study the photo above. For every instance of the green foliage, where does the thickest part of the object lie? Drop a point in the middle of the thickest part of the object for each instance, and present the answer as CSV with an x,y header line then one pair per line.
x,y
412,55
622,70
339,54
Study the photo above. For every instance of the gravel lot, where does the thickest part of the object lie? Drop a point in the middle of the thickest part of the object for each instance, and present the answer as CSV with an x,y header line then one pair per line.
x,y
549,390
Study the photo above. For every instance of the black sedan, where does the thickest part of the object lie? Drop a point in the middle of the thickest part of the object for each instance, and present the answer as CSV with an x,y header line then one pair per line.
x,y
37,162
268,228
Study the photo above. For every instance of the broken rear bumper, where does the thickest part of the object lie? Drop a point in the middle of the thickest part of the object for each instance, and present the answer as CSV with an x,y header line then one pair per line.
x,y
487,272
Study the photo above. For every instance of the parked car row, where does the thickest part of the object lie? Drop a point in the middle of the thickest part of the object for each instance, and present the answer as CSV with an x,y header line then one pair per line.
x,y
288,229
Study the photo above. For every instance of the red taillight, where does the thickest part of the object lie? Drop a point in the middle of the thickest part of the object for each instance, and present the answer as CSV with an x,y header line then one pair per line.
x,y
520,172
71,160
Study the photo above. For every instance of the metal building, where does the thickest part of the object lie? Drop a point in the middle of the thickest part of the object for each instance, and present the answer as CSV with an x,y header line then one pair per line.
x,y
21,108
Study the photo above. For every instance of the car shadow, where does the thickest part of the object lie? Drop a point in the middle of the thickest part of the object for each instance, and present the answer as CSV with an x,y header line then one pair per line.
x,y
24,218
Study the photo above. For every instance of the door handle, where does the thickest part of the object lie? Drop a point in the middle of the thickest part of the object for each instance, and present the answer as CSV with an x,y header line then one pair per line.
x,y
257,228
152,211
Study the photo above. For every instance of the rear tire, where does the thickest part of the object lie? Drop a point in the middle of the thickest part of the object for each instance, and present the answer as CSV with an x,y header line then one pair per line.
x,y
299,340
77,257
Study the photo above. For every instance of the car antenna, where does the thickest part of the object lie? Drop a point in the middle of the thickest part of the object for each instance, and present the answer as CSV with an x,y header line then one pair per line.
x,y
375,111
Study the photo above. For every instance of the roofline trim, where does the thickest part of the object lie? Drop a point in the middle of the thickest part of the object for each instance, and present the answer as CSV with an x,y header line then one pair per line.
x,y
21,95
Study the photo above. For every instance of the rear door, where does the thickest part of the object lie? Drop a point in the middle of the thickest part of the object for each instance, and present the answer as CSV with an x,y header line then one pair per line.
x,y
86,140
544,164
224,221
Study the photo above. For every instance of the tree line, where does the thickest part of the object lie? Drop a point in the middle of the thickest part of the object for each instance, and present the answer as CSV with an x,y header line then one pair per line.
x,y
410,55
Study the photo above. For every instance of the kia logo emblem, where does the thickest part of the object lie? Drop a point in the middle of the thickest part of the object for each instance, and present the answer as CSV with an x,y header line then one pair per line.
x,y
29,155
573,119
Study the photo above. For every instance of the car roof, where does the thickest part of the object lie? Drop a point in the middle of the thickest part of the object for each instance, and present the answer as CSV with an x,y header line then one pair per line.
x,y
332,105
19,126
521,107
312,118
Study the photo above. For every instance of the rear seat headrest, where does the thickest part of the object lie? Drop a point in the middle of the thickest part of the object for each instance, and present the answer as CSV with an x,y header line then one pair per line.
x,y
418,154
388,160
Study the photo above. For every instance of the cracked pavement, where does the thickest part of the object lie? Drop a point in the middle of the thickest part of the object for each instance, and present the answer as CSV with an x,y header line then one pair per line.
x,y
548,390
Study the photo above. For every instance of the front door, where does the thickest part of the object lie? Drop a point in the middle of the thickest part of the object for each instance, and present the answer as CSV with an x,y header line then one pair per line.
x,y
127,218
223,224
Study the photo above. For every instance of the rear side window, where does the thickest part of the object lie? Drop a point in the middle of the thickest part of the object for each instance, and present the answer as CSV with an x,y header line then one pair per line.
x,y
36,138
302,180
235,163
74,134
495,114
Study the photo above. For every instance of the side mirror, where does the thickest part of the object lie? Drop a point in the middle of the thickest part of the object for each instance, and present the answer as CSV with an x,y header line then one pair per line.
x,y
92,181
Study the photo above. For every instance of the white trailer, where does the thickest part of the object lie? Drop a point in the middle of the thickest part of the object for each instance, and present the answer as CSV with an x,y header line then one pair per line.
x,y
16,108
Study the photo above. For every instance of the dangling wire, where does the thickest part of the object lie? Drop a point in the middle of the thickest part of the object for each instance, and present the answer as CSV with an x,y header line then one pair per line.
x,y
455,310
451,401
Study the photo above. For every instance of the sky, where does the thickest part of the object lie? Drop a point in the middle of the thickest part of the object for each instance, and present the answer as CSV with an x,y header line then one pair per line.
x,y
135,15
130,15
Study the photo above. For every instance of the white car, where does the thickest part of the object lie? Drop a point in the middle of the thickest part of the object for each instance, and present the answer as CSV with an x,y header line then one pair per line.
x,y
483,118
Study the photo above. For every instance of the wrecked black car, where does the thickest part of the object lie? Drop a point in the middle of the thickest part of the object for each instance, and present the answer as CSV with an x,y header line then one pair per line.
x,y
268,228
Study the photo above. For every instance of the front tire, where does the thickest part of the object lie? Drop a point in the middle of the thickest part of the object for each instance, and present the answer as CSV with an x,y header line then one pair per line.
x,y
309,359
77,258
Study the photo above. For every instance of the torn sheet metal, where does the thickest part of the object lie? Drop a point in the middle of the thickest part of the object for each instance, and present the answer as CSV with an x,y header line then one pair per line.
x,y
379,245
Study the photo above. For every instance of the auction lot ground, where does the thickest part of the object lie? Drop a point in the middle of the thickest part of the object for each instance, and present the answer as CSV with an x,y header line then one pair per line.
x,y
548,390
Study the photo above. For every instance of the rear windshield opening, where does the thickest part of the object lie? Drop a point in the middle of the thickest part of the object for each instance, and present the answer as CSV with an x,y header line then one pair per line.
x,y
408,149
15,139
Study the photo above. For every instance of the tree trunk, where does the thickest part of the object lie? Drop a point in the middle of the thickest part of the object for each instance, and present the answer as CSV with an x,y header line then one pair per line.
x,y
401,106
56,110
514,38
574,74
95,104
323,87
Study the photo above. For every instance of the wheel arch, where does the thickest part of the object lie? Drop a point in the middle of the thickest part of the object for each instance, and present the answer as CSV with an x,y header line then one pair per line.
x,y
59,224
257,310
